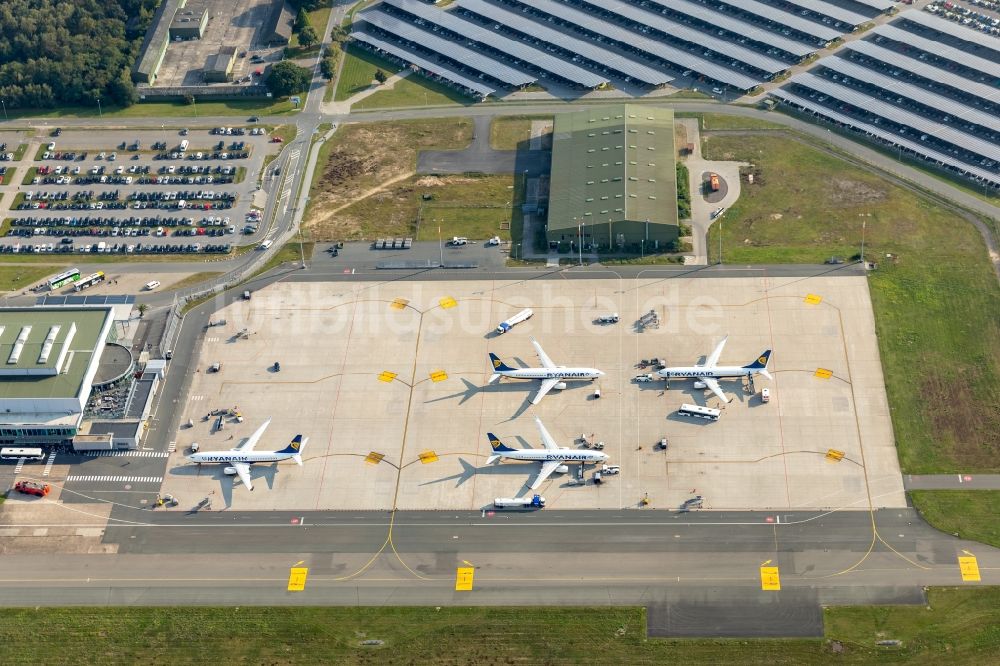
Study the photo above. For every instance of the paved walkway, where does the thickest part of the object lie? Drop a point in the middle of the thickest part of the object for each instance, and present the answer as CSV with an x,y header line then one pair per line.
x,y
951,482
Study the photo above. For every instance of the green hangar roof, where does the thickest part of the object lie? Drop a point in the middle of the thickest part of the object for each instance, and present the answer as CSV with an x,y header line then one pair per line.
x,y
613,163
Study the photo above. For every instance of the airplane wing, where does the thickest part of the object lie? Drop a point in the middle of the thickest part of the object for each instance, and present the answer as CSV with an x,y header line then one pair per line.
x,y
254,438
542,356
713,359
243,470
716,389
548,467
546,386
547,440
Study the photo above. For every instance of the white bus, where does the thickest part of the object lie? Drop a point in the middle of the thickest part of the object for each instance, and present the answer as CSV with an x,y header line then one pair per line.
x,y
89,281
72,275
16,452
697,412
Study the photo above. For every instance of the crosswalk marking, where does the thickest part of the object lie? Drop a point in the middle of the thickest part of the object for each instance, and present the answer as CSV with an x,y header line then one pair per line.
x,y
172,447
196,398
133,454
49,463
115,479
19,465
211,339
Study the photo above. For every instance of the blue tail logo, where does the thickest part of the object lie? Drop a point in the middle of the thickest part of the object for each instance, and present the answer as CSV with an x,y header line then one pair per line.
x,y
496,443
498,364
761,361
294,446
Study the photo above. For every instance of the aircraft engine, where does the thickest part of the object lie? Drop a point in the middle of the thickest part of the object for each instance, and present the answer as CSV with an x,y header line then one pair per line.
x,y
700,384
562,469
560,386
229,470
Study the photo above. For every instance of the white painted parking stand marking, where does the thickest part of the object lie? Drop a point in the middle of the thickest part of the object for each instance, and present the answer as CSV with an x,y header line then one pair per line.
x,y
196,398
131,454
172,447
49,463
116,479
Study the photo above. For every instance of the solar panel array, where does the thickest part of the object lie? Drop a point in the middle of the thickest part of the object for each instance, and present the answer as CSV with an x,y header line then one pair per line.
x,y
939,49
880,5
94,299
432,67
943,25
984,175
447,48
820,31
529,54
835,12
925,70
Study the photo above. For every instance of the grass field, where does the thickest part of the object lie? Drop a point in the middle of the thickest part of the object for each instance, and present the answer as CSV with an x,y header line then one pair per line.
x,y
317,19
263,107
935,305
8,177
193,279
361,159
725,121
509,132
17,277
972,514
359,71
958,626
21,150
289,252
413,91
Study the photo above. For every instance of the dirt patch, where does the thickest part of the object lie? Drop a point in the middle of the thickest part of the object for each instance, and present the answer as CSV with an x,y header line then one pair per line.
x,y
960,422
843,192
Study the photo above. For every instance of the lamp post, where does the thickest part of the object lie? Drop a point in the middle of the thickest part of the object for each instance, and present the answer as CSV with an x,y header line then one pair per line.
x,y
4,109
301,248
864,223
440,242
579,241
721,222
100,113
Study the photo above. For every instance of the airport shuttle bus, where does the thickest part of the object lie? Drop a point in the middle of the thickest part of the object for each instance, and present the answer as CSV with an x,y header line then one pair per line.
x,y
72,275
697,412
16,452
89,281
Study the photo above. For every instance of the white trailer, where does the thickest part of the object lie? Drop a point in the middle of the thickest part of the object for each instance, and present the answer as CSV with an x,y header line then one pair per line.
x,y
536,501
507,324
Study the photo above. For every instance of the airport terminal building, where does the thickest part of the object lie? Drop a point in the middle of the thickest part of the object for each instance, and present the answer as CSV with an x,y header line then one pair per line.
x,y
614,180
50,359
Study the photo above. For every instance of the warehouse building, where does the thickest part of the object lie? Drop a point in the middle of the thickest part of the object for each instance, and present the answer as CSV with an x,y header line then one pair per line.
x,y
154,44
278,29
189,21
220,66
614,181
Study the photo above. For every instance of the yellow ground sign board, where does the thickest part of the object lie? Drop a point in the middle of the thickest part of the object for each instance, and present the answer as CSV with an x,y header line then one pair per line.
x,y
374,458
297,579
439,376
833,455
463,579
447,302
970,569
428,457
823,373
398,304
813,299
769,579
386,376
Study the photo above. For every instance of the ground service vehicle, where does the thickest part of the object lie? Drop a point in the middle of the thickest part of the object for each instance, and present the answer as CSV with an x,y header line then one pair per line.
x,y
713,182
698,412
507,324
765,395
16,452
150,286
608,319
534,502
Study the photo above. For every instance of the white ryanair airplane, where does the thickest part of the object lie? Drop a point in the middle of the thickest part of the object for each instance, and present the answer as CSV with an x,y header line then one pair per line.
x,y
553,457
706,374
550,374
240,458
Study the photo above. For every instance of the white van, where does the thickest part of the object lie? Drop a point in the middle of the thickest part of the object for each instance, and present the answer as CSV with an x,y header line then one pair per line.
x,y
184,145
150,286
265,244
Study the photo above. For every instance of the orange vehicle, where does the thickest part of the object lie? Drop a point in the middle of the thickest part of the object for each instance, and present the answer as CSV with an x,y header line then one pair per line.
x,y
713,181
32,488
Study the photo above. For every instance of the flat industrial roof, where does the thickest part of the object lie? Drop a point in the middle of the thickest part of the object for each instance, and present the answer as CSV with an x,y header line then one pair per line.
x,y
613,162
74,336
891,137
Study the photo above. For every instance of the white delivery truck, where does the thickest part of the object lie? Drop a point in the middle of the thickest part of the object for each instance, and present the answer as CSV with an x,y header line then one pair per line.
x,y
534,502
507,324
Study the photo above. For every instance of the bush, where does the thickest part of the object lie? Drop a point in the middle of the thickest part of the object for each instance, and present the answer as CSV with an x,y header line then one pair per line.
x,y
328,66
380,76
188,99
287,78
683,193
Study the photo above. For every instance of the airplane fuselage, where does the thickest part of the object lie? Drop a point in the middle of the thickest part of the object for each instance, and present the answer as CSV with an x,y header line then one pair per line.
x,y
562,455
233,457
715,373
553,373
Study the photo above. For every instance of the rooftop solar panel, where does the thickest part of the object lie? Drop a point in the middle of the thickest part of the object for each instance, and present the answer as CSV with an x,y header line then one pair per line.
x,y
880,5
447,48
875,130
584,48
522,51
833,11
925,70
681,31
949,28
916,93
714,17
793,21
432,67
680,58
897,115
939,49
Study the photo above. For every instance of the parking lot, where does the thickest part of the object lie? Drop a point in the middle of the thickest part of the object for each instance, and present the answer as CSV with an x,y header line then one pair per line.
x,y
389,383
139,189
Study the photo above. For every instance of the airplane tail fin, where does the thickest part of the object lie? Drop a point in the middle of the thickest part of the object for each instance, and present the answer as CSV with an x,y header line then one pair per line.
x,y
498,365
296,447
760,363
497,445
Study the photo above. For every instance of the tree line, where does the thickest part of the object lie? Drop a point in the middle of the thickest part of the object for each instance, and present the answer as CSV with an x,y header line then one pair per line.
x,y
60,53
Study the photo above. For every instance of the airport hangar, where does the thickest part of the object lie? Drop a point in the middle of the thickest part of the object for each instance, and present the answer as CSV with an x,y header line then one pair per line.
x,y
52,359
614,179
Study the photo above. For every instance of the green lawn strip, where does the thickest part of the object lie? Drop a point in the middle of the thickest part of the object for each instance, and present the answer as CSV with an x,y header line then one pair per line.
x,y
359,71
262,107
193,279
969,514
82,259
289,252
726,121
935,304
512,132
16,277
958,626
8,177
414,90
21,150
